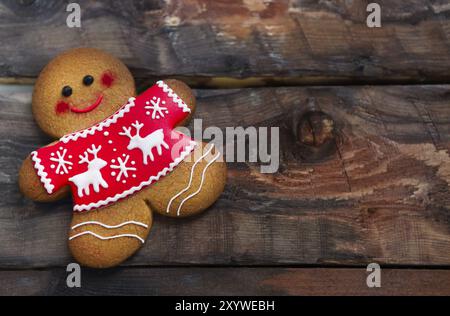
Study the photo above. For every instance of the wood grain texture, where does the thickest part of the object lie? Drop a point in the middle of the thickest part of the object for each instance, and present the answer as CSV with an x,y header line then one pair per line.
x,y
213,43
379,192
226,281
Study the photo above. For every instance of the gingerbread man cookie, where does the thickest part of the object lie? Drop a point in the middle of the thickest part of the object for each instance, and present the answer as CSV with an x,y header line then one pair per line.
x,y
119,155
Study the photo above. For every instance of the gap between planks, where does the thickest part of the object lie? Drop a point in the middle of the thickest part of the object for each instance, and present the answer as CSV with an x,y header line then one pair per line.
x,y
213,82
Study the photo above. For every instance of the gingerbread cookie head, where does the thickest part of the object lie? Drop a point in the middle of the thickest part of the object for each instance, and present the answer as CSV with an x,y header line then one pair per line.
x,y
79,88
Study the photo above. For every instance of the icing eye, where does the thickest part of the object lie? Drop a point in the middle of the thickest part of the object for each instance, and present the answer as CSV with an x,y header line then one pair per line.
x,y
88,80
67,91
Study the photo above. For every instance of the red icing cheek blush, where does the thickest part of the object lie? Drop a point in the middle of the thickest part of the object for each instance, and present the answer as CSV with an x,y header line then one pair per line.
x,y
107,79
62,107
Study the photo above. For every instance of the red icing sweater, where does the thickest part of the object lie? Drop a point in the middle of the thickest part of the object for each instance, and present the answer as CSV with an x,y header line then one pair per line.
x,y
121,155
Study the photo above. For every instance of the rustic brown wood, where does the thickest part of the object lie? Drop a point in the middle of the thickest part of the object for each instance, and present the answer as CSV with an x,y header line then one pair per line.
x,y
236,42
226,281
380,193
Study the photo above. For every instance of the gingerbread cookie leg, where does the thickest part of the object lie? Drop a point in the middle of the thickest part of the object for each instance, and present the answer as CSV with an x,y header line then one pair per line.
x,y
192,187
31,186
106,237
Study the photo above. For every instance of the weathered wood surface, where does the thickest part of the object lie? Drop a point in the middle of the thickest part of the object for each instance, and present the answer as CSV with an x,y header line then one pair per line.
x,y
207,41
225,281
378,192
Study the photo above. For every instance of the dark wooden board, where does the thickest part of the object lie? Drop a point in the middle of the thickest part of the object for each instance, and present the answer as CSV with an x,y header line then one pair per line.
x,y
208,41
379,192
225,281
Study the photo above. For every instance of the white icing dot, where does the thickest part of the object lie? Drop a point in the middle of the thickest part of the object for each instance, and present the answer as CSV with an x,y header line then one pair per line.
x,y
52,166
113,174
147,103
52,154
115,149
70,168
113,160
133,162
61,173
167,112
124,181
106,133
157,116
163,102
70,156
154,98
123,155
60,148
134,176
148,113
110,142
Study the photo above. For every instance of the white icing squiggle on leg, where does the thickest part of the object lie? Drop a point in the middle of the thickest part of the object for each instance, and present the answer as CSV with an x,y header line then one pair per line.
x,y
190,178
201,184
110,226
88,232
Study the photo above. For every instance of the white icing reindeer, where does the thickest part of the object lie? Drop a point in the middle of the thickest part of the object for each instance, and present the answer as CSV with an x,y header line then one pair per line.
x,y
93,176
145,144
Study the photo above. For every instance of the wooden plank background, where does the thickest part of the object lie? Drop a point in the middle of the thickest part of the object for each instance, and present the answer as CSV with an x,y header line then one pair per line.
x,y
375,189
225,281
381,195
286,41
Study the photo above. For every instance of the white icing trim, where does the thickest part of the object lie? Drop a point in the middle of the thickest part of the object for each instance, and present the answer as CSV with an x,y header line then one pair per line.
x,y
88,232
173,95
201,184
99,127
173,164
190,179
110,226
41,173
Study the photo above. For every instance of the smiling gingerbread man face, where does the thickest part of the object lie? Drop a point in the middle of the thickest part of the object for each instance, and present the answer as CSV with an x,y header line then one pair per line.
x,y
78,89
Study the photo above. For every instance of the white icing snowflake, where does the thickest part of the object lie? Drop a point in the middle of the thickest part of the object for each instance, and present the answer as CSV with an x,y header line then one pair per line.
x,y
60,159
123,168
158,111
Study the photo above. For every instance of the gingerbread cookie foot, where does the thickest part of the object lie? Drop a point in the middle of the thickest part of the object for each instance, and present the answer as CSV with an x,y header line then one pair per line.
x,y
106,237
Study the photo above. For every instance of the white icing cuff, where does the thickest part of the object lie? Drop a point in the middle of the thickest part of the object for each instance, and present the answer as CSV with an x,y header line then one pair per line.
x,y
174,96
41,173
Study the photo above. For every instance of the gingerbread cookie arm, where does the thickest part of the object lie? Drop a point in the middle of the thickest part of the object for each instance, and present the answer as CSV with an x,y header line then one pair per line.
x,y
186,94
192,187
31,186
197,182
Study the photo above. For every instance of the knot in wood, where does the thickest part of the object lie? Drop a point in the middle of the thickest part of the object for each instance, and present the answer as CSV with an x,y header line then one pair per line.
x,y
315,128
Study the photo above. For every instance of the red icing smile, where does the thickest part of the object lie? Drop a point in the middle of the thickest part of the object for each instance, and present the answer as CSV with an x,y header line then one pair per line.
x,y
90,108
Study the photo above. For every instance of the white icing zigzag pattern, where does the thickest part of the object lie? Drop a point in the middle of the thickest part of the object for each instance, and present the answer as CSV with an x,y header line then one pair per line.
x,y
121,113
174,96
99,127
41,173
